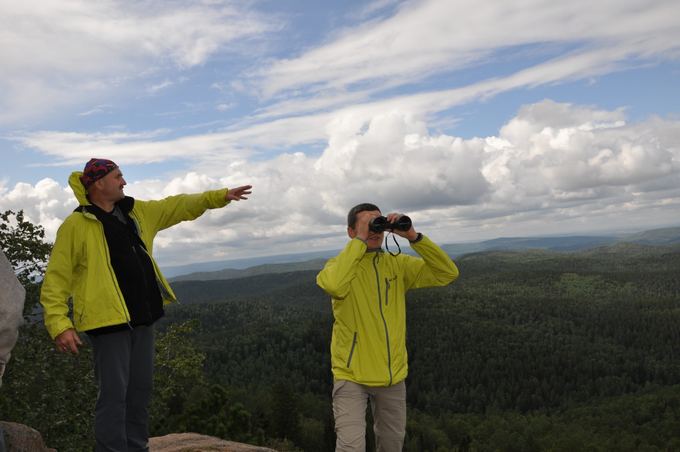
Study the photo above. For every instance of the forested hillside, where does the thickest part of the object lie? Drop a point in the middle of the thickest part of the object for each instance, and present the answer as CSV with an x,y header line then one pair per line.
x,y
526,351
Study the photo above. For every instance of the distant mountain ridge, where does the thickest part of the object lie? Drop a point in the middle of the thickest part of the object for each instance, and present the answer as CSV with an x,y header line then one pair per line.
x,y
300,284
315,261
566,243
663,236
213,266
232,273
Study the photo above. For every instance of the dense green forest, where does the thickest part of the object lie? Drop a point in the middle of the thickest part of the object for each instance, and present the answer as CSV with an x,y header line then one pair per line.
x,y
527,351
530,350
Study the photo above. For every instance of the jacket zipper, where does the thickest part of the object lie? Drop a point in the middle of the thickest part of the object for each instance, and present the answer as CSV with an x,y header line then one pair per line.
x,y
382,315
387,291
351,352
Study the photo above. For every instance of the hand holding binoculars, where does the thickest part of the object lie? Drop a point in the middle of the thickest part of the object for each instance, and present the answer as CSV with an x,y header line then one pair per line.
x,y
381,224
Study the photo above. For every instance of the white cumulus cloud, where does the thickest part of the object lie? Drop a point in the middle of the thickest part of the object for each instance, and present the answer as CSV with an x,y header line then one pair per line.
x,y
554,167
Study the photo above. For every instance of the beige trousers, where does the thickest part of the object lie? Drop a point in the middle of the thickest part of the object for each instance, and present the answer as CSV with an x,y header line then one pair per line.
x,y
389,416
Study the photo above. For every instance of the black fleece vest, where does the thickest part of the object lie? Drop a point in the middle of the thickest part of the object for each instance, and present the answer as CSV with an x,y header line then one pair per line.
x,y
132,266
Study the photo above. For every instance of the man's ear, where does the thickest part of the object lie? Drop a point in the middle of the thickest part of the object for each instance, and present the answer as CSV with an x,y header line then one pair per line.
x,y
351,232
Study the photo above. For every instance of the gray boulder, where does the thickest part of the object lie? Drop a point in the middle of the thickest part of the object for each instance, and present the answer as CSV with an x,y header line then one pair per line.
x,y
20,438
12,296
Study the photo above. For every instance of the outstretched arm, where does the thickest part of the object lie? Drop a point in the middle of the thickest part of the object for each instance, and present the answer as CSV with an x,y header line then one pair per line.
x,y
167,212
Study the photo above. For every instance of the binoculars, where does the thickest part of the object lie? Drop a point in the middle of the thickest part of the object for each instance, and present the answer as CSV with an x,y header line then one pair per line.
x,y
380,224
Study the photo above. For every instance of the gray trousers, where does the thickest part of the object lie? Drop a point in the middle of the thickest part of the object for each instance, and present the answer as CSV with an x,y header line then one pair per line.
x,y
123,365
389,416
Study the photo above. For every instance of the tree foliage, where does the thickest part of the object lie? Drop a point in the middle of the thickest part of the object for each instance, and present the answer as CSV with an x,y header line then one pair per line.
x,y
24,245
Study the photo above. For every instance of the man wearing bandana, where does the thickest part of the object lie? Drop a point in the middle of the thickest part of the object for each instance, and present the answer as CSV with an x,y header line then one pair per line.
x,y
102,261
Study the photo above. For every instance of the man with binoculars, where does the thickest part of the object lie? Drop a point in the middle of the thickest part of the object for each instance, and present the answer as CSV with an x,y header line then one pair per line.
x,y
368,347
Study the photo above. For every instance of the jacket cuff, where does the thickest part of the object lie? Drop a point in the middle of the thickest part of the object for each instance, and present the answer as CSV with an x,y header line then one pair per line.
x,y
60,327
418,238
217,198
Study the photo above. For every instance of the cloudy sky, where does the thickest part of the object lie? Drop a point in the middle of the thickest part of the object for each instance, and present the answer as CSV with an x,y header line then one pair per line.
x,y
478,119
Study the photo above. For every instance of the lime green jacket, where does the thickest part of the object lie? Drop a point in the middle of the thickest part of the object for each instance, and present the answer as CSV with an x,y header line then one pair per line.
x,y
368,289
80,268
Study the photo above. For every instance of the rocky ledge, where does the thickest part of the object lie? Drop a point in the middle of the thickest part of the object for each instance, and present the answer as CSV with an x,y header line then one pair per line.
x,y
193,442
19,437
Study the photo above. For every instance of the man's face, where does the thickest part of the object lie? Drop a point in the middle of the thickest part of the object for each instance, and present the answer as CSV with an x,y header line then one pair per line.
x,y
111,186
375,239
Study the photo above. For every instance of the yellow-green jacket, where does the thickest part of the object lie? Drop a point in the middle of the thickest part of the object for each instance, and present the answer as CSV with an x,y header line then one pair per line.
x,y
80,267
368,290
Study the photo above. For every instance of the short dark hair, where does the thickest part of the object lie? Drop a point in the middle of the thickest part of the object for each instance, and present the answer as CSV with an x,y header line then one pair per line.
x,y
352,215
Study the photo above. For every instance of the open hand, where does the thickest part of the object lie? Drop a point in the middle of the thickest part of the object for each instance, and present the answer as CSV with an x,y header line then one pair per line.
x,y
238,193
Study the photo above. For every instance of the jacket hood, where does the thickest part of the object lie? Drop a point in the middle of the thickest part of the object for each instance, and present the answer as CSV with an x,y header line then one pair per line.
x,y
78,188
126,204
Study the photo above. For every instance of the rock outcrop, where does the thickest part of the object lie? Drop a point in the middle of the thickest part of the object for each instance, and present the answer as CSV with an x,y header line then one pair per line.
x,y
11,307
21,438
193,442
